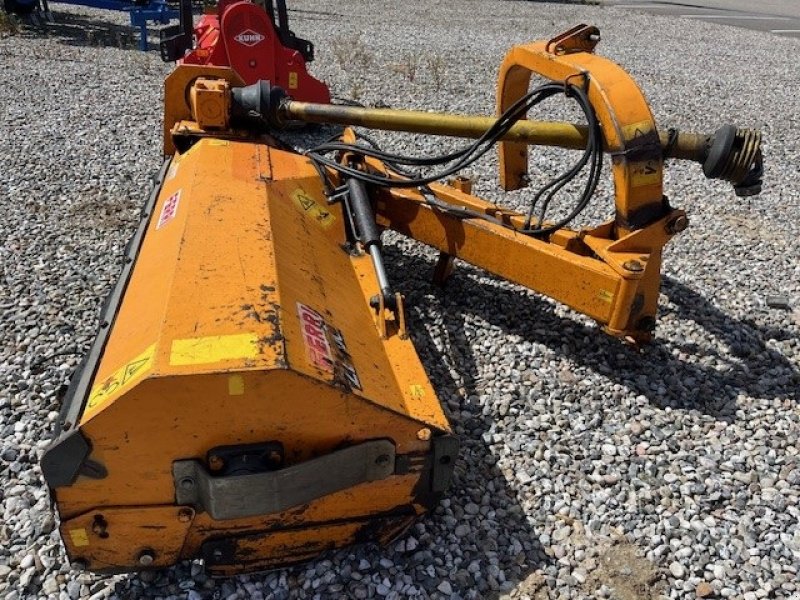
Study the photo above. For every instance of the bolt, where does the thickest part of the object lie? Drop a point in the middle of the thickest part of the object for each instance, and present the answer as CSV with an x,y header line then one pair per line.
x,y
634,266
462,184
424,434
215,463
382,459
187,483
275,458
678,224
185,515
146,557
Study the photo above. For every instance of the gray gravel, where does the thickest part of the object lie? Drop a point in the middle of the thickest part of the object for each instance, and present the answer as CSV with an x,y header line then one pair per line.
x,y
588,469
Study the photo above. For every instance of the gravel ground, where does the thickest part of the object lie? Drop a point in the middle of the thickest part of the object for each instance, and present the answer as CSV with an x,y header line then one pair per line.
x,y
588,469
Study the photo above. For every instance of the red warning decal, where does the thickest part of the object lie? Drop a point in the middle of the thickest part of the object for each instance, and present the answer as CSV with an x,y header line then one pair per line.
x,y
169,210
325,347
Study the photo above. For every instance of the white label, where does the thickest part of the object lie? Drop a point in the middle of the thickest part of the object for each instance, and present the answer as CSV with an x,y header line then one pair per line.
x,y
249,38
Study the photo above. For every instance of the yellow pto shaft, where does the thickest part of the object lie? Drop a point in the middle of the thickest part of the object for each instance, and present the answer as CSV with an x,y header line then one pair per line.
x,y
686,146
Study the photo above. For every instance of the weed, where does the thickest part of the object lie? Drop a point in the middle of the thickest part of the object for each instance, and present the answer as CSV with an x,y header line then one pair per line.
x,y
407,68
351,53
437,66
356,89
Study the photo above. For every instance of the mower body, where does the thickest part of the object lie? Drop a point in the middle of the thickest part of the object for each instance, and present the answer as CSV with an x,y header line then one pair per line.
x,y
239,404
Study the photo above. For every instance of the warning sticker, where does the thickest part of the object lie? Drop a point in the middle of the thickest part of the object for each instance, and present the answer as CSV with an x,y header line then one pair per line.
x,y
325,347
306,204
637,130
605,295
120,380
643,153
79,537
645,173
292,80
416,391
169,210
213,349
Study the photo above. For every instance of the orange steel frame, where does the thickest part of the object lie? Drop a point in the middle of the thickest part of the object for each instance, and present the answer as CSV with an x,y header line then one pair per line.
x,y
610,272
205,351
629,249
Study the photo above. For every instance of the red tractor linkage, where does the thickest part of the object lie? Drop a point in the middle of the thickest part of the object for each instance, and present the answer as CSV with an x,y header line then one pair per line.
x,y
251,38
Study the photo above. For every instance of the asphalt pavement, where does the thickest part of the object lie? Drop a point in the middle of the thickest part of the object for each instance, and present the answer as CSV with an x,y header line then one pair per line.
x,y
779,17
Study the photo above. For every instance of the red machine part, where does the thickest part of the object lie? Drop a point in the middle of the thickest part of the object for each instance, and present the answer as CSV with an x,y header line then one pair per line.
x,y
248,42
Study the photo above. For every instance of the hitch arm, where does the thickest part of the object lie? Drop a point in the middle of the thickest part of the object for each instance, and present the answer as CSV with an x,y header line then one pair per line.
x,y
607,280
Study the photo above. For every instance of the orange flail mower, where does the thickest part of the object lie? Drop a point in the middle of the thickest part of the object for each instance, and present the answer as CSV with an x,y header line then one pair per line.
x,y
253,397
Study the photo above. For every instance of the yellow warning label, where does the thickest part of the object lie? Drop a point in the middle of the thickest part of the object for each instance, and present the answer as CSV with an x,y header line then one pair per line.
x,y
235,385
292,80
637,130
605,295
120,380
416,391
213,349
307,205
646,172
79,537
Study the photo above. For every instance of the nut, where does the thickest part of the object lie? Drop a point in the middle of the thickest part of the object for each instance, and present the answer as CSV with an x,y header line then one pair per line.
x,y
185,515
215,463
146,557
633,265
678,224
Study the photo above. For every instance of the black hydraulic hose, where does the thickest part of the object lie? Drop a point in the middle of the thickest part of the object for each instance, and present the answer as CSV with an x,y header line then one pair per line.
x,y
454,162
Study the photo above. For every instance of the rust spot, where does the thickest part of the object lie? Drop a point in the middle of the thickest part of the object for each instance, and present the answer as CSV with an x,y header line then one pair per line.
x,y
383,530
268,341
